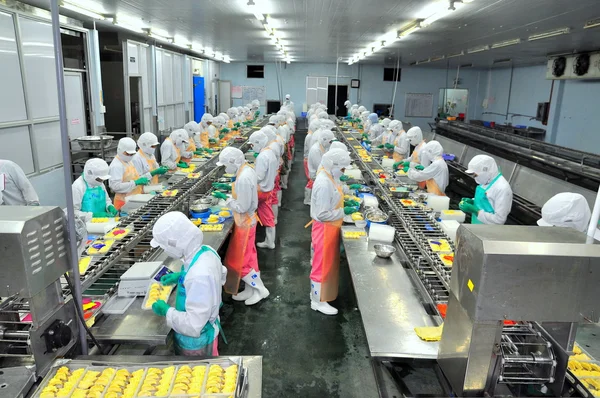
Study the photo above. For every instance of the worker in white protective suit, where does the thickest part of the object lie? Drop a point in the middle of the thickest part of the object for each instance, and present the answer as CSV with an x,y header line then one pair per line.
x,y
371,120
266,167
90,198
415,138
171,148
255,108
288,101
493,195
321,143
241,117
208,133
144,160
124,179
567,209
385,140
313,127
386,123
401,142
433,170
327,212
276,144
348,105
224,130
195,317
15,187
241,258
193,130
232,113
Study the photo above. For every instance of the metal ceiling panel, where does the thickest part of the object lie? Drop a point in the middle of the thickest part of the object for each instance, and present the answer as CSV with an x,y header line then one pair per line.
x,y
323,30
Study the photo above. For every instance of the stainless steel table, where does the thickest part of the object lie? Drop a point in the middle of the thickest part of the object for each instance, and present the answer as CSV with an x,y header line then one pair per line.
x,y
389,303
141,326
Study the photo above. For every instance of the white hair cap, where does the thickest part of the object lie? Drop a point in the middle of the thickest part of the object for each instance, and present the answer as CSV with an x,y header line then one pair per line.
x,y
566,209
336,158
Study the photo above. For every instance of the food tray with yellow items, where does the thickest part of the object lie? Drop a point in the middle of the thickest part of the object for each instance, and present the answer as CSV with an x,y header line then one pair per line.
x,y
584,372
211,227
156,292
218,378
117,233
100,246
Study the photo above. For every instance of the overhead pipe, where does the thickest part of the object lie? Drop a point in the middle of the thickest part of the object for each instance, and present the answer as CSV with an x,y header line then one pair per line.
x,y
66,152
337,67
396,73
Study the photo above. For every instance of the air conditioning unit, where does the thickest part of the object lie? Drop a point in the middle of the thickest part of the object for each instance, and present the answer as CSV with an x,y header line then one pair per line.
x,y
576,66
560,68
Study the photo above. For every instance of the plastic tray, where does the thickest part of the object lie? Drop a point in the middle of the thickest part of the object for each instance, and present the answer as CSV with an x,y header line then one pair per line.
x,y
202,381
144,304
52,372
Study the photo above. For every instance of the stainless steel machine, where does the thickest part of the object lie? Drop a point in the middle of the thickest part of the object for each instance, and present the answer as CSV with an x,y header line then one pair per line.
x,y
543,280
36,323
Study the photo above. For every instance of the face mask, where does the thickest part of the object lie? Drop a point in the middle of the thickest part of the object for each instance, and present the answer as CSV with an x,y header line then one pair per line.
x,y
173,252
481,179
125,158
336,173
231,169
425,161
149,151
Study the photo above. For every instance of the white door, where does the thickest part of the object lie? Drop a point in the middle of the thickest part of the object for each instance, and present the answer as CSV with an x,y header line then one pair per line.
x,y
316,90
76,117
224,95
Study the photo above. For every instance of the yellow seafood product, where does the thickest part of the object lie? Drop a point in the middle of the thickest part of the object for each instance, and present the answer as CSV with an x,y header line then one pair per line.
x,y
100,246
583,369
157,292
157,382
211,228
212,219
62,383
170,192
354,234
224,213
440,245
196,221
357,216
580,357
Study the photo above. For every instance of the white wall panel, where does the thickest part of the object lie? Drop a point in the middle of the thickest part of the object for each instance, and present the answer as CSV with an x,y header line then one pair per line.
x,y
179,115
168,77
46,135
145,76
162,123
38,54
160,95
170,116
148,119
12,99
133,58
177,78
19,150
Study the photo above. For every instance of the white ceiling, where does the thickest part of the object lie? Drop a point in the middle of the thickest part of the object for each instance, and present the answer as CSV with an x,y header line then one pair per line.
x,y
323,30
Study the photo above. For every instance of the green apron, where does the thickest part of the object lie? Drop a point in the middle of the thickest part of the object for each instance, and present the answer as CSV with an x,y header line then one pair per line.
x,y
481,200
94,200
207,335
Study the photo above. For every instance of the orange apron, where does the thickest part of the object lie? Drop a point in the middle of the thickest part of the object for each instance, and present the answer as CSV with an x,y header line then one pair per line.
x,y
177,151
396,156
152,164
415,158
130,174
191,148
432,187
204,139
326,257
230,124
237,252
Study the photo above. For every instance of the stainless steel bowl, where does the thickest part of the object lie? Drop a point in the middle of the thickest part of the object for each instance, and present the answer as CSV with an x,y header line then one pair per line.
x,y
377,216
95,141
384,251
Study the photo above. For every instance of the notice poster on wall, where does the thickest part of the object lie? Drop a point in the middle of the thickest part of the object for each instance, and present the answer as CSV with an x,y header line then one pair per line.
x,y
237,91
254,92
419,105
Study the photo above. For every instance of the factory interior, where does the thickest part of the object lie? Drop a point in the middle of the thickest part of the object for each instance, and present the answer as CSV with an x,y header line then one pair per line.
x,y
175,176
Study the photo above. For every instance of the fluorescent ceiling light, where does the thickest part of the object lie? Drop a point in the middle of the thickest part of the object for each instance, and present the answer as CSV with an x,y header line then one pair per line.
x,y
455,55
501,61
552,33
132,28
441,13
226,59
506,43
409,30
83,11
438,58
159,32
592,23
424,61
478,49
258,15
161,38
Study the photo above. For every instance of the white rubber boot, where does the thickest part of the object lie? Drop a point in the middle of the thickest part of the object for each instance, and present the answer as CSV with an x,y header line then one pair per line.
x,y
275,212
244,294
259,291
279,198
315,300
284,181
307,195
269,242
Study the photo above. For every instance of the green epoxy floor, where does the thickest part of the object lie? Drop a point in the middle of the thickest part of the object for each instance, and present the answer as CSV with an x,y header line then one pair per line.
x,y
305,353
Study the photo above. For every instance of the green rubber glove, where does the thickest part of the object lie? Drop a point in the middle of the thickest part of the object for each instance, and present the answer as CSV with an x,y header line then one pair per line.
x,y
350,209
142,181
221,136
420,167
351,203
170,279
112,210
218,185
234,129
255,155
365,136
355,186
160,170
380,146
366,141
212,141
406,168
344,178
360,127
182,165
160,308
224,130
219,195
468,207
468,200
389,146
208,150
102,214
198,152
237,124
398,165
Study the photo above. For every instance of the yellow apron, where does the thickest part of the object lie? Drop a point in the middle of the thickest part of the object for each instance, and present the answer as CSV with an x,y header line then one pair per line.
x,y
152,164
204,139
130,174
230,124
396,156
